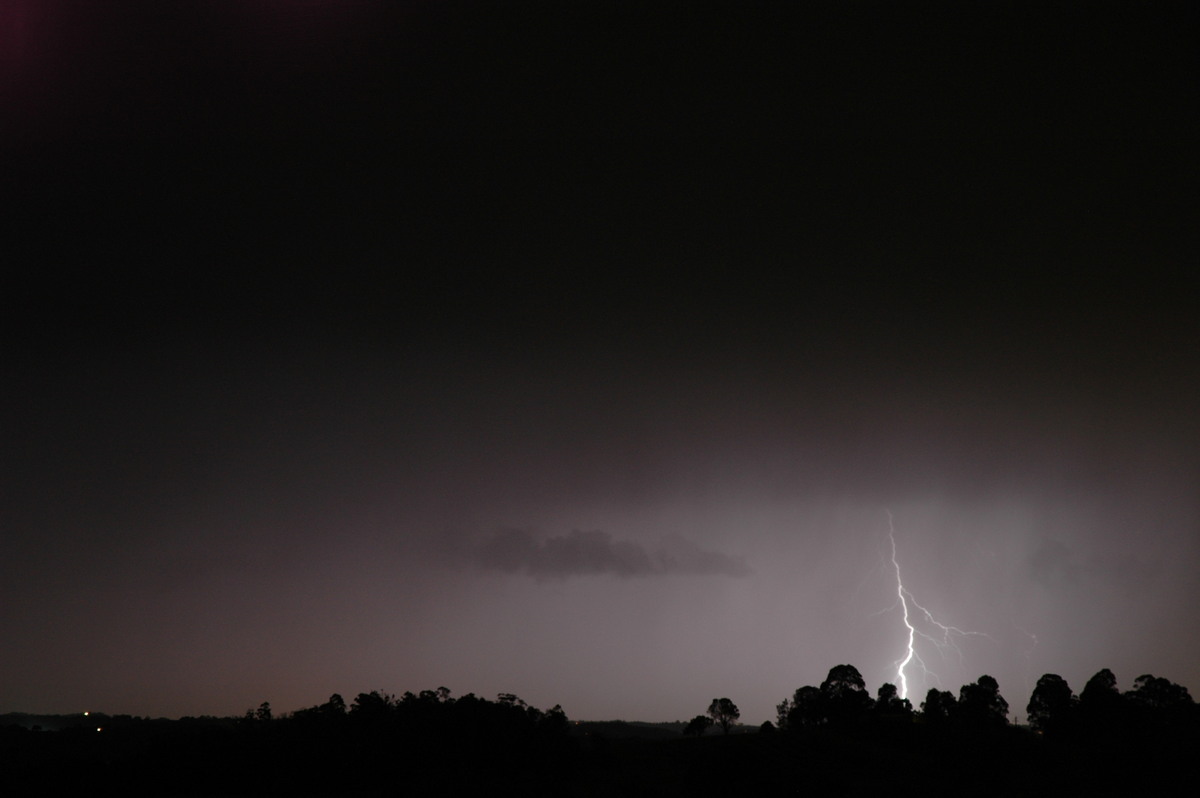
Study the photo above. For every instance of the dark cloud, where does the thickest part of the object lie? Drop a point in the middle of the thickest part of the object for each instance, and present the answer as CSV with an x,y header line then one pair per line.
x,y
597,552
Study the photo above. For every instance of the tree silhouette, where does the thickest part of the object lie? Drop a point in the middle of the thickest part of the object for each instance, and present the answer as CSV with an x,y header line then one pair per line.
x,y
1156,693
332,711
697,726
890,706
373,706
980,703
554,721
724,712
844,697
805,708
1102,709
938,707
782,712
1052,705
1100,693
1159,706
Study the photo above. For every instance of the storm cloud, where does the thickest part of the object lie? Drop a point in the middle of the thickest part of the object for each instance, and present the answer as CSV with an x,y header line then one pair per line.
x,y
597,552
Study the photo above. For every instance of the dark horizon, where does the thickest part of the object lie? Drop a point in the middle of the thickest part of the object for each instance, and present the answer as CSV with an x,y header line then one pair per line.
x,y
1099,740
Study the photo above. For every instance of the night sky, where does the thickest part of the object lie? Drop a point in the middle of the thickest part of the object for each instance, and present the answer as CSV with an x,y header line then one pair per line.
x,y
583,351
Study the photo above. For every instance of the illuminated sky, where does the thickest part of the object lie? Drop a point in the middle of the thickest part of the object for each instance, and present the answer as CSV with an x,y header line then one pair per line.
x,y
551,354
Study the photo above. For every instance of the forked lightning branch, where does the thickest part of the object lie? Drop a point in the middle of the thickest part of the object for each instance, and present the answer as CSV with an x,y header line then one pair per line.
x,y
941,636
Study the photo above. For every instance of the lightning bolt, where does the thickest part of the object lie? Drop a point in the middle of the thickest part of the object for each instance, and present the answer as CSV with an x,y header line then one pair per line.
x,y
911,651
945,641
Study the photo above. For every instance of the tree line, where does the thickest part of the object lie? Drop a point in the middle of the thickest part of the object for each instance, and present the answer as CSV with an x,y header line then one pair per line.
x,y
833,738
836,738
428,742
842,701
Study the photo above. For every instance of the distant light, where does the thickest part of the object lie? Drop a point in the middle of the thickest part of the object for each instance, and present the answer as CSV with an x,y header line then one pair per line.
x,y
86,713
98,729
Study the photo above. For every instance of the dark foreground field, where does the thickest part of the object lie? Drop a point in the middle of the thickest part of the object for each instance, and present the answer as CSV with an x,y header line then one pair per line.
x,y
474,746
